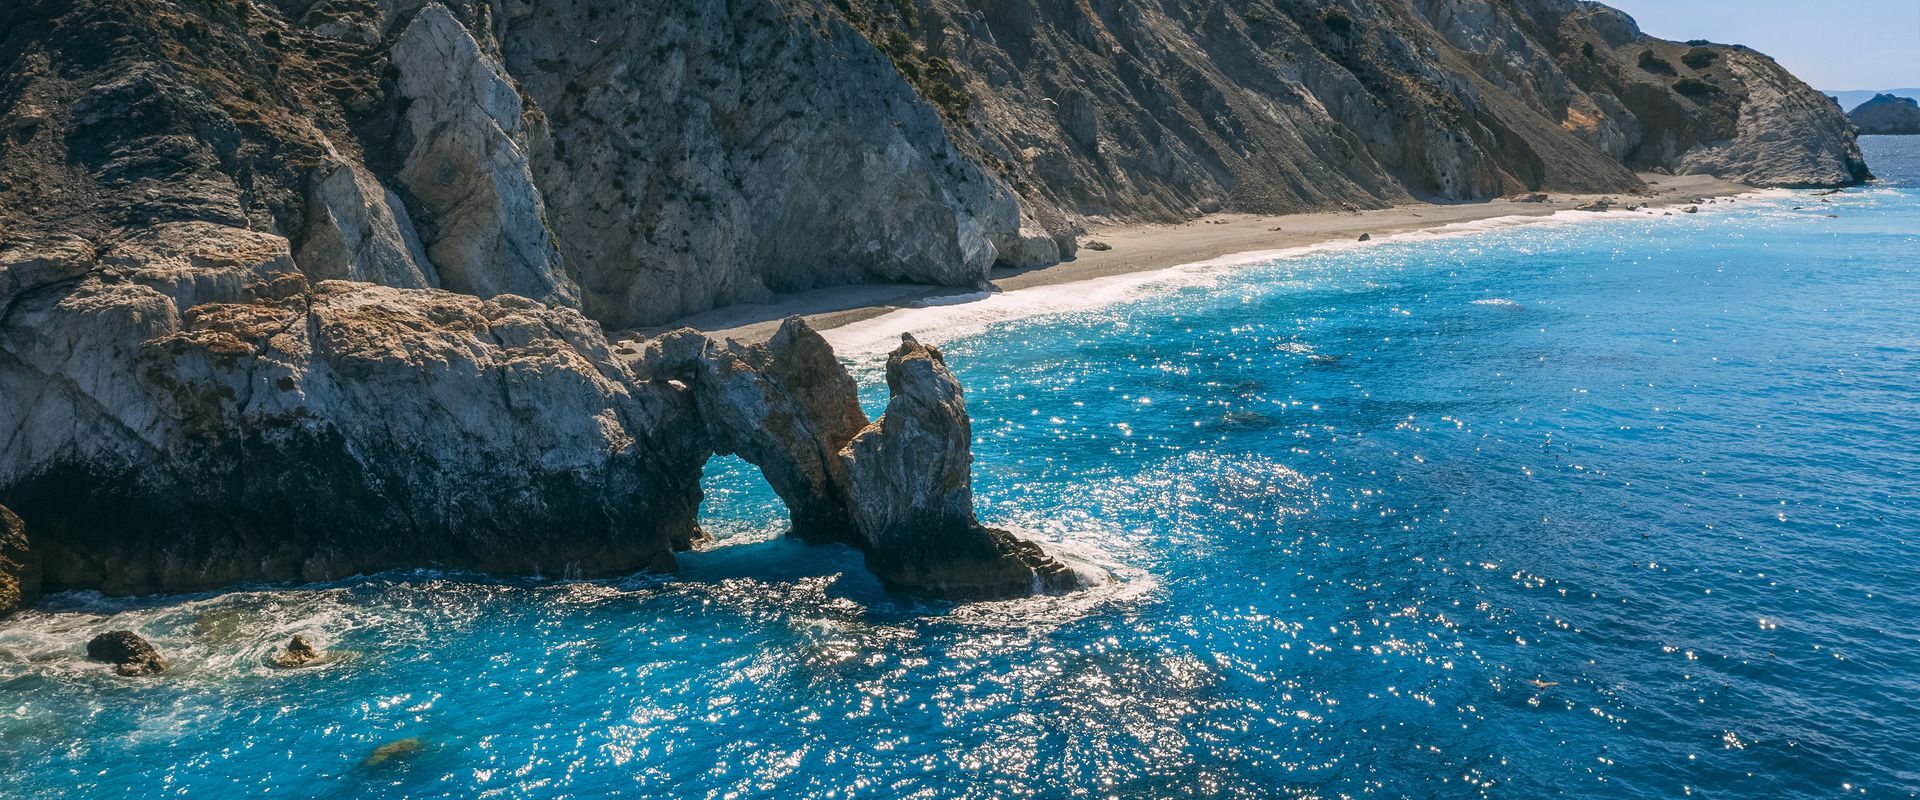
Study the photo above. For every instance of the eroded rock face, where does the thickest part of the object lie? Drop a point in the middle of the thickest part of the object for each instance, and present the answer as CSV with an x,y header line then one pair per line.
x,y
786,406
688,154
19,565
224,354
194,412
911,483
128,654
468,166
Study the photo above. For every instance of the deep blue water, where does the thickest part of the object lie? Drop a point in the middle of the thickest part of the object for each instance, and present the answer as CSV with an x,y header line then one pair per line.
x,y
1621,508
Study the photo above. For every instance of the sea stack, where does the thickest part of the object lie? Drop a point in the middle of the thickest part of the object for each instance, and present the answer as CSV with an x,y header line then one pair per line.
x,y
912,491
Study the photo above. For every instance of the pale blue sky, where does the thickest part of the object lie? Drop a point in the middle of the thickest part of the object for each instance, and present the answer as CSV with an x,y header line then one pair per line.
x,y
1832,44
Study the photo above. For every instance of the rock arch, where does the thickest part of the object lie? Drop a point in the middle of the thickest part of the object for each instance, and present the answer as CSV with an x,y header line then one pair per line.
x,y
899,488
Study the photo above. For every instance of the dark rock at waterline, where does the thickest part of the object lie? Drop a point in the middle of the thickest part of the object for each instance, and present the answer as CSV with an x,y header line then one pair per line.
x,y
19,565
1366,237
129,654
395,750
298,653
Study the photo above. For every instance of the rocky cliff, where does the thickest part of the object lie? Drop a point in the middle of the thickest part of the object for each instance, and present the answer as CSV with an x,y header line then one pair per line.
x,y
1888,115
642,161
297,288
19,565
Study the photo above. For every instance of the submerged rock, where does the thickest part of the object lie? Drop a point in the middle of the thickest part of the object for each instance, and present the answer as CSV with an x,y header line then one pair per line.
x,y
298,653
393,751
19,565
912,490
130,655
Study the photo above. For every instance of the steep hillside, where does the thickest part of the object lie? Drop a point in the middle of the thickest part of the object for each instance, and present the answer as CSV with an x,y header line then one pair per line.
x,y
641,161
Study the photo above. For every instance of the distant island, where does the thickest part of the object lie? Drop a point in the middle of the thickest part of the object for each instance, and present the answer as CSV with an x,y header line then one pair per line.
x,y
1854,98
1888,115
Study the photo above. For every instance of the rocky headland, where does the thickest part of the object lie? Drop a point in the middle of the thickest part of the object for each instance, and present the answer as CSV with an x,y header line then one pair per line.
x,y
1888,115
295,289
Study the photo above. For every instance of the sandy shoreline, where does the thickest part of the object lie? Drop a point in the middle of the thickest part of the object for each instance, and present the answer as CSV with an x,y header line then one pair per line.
x,y
1148,248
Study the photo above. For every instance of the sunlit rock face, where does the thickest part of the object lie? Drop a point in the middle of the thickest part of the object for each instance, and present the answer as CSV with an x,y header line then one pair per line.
x,y
207,415
644,161
786,406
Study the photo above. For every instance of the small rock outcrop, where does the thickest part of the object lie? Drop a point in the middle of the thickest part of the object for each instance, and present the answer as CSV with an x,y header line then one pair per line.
x,y
911,482
19,565
1888,115
128,654
298,653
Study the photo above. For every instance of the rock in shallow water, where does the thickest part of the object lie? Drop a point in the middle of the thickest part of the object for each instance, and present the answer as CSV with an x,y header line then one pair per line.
x,y
298,653
130,655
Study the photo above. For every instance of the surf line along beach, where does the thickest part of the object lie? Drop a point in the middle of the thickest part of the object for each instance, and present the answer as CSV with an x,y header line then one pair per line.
x,y
856,318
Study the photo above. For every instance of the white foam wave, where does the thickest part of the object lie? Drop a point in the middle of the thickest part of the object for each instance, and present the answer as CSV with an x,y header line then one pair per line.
x,y
953,317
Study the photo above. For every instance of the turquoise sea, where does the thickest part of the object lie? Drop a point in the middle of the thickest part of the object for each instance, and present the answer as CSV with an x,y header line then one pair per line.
x,y
1621,506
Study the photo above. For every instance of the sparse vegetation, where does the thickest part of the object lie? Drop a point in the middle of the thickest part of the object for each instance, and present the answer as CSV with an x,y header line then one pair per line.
x,y
1337,20
1699,58
1695,88
933,77
1655,64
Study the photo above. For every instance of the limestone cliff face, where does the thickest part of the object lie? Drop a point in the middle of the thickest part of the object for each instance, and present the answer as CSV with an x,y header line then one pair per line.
x,y
194,412
643,161
1888,115
291,289
19,565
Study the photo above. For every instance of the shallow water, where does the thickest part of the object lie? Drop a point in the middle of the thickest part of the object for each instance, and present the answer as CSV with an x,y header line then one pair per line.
x,y
1615,508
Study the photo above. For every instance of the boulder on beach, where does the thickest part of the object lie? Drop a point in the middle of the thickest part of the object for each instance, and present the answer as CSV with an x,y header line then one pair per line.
x,y
130,655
